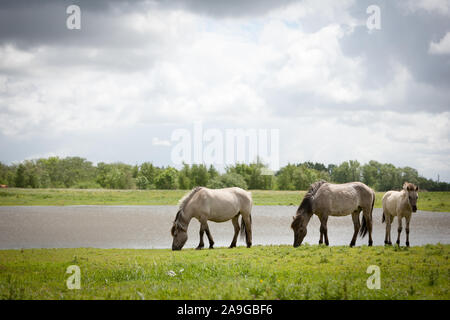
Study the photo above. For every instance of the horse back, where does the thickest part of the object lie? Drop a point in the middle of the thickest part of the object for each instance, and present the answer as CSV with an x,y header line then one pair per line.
x,y
343,199
393,202
221,204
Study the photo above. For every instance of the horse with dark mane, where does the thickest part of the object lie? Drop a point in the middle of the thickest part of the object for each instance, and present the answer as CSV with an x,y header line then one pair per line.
x,y
216,205
326,199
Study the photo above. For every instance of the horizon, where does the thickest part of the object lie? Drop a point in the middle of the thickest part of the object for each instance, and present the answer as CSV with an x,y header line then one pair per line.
x,y
222,170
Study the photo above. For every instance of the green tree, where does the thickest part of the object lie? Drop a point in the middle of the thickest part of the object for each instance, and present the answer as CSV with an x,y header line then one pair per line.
x,y
167,179
115,176
227,180
20,176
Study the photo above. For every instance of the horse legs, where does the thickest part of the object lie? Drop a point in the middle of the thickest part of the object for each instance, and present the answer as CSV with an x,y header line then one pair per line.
x,y
399,218
202,231
248,229
323,230
235,222
321,235
208,234
391,220
357,225
407,230
205,228
387,238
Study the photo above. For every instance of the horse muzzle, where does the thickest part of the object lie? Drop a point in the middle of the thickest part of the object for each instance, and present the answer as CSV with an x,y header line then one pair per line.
x,y
414,208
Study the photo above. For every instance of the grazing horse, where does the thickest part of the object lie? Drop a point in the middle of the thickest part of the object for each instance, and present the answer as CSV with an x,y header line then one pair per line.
x,y
399,204
326,199
218,205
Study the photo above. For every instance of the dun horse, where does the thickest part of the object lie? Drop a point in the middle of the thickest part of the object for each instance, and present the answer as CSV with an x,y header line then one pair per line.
x,y
325,199
218,205
399,204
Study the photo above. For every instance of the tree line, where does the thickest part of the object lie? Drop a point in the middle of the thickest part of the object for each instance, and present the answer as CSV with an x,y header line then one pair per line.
x,y
76,172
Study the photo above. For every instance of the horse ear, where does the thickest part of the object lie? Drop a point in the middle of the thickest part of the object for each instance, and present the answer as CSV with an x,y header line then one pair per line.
x,y
417,188
405,186
293,217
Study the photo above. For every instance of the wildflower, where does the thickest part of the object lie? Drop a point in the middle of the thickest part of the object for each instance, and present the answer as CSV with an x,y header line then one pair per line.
x,y
171,273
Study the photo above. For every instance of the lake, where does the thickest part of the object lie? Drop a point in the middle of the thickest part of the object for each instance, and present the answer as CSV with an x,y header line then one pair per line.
x,y
149,227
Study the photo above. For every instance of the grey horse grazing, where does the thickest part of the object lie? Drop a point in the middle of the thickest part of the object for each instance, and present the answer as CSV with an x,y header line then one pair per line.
x,y
326,199
218,205
399,204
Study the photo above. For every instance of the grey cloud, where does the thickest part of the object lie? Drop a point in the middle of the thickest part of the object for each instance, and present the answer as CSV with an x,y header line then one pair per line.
x,y
33,23
230,8
404,37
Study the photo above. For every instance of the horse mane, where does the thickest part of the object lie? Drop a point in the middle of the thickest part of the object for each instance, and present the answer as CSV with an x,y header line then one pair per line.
x,y
181,205
409,186
186,198
309,196
306,204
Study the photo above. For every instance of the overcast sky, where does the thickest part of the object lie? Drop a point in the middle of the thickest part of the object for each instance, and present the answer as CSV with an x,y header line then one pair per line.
x,y
116,89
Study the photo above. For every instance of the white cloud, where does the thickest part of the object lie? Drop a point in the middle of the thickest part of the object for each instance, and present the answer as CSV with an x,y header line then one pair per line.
x,y
432,6
441,47
250,72
160,142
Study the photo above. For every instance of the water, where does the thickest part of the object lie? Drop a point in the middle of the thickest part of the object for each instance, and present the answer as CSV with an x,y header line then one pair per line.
x,y
149,227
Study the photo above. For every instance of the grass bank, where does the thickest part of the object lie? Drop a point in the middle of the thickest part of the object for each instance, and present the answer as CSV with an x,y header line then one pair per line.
x,y
428,201
262,272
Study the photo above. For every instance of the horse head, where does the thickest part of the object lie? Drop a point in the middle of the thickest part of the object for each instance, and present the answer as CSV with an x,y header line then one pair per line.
x,y
412,192
179,233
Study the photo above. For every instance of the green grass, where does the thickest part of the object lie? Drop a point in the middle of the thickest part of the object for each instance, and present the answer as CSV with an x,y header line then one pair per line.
x,y
262,272
428,201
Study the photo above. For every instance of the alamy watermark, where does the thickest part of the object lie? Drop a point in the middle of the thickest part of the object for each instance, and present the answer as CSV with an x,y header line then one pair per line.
x,y
222,147
74,281
374,281
374,20
73,21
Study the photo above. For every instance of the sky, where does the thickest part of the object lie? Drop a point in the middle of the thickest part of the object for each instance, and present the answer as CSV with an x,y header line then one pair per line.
x,y
137,71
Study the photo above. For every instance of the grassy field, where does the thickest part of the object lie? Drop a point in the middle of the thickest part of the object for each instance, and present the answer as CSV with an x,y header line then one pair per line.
x,y
428,201
262,272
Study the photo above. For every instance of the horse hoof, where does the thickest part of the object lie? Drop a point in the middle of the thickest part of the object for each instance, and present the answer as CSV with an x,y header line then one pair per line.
x,y
199,248
211,247
407,244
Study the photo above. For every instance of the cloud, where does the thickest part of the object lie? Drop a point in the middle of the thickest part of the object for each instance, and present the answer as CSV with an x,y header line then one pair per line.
x,y
441,47
160,142
136,71
441,7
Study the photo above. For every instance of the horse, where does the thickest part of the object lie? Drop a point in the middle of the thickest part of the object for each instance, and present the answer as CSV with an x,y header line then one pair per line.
x,y
217,205
326,199
399,204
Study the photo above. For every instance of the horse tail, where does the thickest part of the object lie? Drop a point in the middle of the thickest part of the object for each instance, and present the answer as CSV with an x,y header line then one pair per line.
x,y
364,228
244,231
384,218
